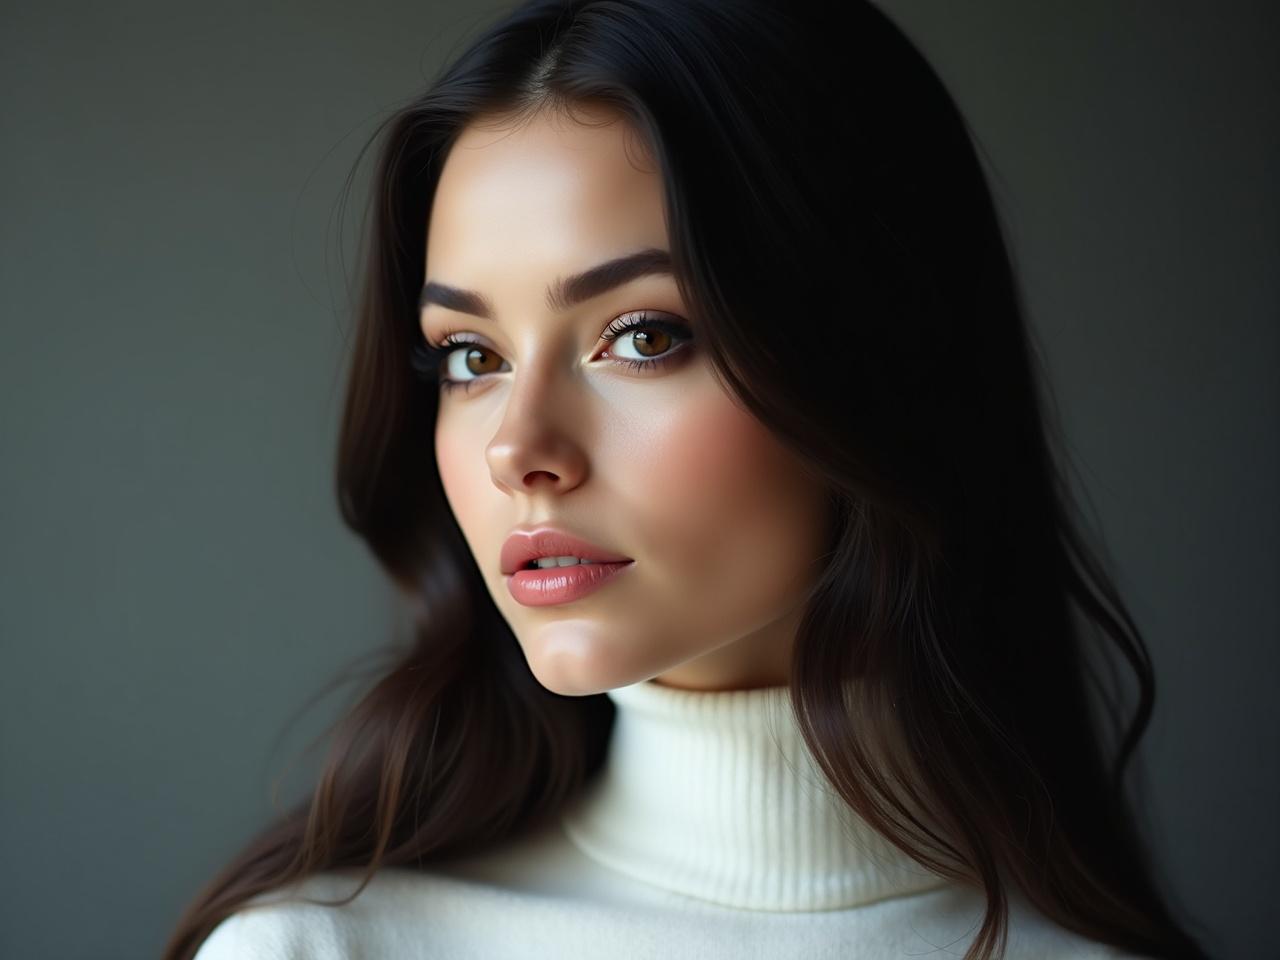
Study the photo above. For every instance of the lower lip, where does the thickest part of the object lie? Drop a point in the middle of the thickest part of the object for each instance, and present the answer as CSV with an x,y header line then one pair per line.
x,y
544,588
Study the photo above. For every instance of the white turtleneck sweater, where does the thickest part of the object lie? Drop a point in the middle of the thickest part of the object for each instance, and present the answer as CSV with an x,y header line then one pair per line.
x,y
709,833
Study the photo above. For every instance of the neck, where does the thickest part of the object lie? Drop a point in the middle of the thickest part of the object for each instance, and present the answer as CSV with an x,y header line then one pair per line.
x,y
714,794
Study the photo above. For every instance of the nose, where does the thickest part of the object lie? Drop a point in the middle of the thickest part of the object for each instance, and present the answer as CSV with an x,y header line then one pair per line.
x,y
537,447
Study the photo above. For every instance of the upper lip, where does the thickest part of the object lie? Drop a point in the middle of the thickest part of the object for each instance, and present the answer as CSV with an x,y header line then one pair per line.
x,y
525,545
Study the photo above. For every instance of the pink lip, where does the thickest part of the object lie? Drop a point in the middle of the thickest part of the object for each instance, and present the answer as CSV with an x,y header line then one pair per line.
x,y
525,545
540,588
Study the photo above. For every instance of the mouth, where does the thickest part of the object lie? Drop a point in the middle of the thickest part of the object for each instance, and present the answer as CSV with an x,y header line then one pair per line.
x,y
550,566
549,586
549,548
559,563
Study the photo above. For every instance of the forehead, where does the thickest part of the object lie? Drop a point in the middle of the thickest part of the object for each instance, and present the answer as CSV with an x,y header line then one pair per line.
x,y
550,188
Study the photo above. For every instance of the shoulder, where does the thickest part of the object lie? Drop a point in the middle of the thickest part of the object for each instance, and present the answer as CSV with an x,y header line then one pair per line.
x,y
252,934
1033,936
401,912
947,918
287,925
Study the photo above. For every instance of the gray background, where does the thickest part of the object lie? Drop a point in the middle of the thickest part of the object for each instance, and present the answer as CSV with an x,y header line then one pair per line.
x,y
174,579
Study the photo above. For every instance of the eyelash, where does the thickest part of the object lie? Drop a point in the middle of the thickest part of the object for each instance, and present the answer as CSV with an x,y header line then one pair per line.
x,y
426,359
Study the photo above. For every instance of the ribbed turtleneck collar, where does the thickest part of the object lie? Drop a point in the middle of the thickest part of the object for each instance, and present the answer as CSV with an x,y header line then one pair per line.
x,y
715,795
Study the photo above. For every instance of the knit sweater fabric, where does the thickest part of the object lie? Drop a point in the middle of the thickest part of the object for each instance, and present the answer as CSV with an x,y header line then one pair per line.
x,y
709,833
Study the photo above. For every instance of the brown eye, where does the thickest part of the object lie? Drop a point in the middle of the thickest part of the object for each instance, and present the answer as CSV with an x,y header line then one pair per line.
x,y
651,342
459,363
475,359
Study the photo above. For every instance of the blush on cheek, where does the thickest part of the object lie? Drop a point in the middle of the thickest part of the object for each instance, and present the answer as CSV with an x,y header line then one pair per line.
x,y
720,453
742,520
459,463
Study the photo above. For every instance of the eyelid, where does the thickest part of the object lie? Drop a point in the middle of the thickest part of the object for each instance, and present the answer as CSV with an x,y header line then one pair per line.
x,y
451,338
427,357
645,318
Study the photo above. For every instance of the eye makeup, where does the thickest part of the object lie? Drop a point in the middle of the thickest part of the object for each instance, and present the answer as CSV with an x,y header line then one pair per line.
x,y
428,360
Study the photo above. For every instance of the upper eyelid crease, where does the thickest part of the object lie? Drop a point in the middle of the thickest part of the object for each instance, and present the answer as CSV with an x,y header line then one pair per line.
x,y
565,292
456,337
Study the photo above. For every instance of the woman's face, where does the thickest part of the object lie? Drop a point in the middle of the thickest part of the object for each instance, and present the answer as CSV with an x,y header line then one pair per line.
x,y
629,443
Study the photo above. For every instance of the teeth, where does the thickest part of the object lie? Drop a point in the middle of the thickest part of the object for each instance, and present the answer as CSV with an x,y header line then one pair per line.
x,y
545,562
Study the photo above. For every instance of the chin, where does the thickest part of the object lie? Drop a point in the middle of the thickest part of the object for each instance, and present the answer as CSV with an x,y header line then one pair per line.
x,y
559,684
574,679
576,657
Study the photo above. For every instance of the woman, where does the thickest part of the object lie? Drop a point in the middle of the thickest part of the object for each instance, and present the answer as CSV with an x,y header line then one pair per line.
x,y
693,404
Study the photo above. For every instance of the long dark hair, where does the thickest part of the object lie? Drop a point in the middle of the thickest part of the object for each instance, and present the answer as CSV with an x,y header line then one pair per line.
x,y
833,231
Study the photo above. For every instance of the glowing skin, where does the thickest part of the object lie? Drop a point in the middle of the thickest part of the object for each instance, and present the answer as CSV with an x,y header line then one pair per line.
x,y
659,465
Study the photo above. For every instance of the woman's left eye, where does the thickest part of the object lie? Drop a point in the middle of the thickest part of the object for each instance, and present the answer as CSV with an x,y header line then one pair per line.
x,y
647,334
654,342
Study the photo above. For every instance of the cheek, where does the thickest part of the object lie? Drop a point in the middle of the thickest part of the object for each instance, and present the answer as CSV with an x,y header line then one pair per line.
x,y
464,475
728,508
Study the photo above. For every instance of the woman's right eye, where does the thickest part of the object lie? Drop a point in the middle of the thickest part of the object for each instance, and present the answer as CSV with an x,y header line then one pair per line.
x,y
463,358
427,360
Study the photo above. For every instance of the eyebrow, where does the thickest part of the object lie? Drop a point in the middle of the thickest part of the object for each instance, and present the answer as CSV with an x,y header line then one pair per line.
x,y
565,292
